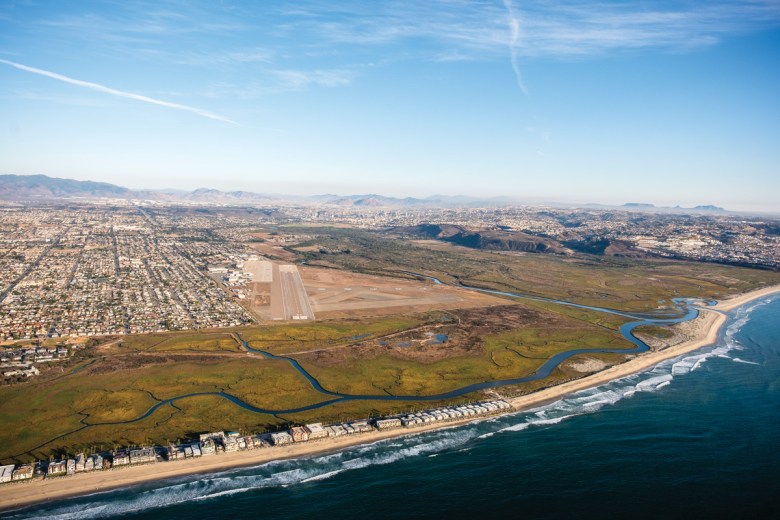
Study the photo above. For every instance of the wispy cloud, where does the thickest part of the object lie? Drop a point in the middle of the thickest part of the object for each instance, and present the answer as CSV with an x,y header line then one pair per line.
x,y
514,41
118,93
206,58
298,44
538,27
580,28
325,78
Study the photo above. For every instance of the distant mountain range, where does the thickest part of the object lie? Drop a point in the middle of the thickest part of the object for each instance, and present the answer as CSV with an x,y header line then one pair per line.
x,y
641,206
21,187
43,187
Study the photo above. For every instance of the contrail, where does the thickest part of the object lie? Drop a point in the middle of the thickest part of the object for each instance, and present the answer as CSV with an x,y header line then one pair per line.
x,y
120,93
514,27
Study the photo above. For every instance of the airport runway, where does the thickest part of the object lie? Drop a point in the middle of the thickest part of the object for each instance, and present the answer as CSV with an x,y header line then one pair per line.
x,y
289,300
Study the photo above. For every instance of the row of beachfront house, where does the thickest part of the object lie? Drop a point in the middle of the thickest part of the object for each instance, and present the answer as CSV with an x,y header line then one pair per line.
x,y
226,442
11,472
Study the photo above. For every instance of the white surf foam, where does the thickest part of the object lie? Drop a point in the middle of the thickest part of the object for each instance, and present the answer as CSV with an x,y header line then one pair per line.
x,y
738,360
297,471
324,476
652,380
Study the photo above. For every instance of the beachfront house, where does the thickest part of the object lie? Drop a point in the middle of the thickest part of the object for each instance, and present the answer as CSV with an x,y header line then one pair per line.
x,y
213,436
281,438
361,427
23,472
230,443
262,440
174,452
387,424
299,434
120,458
6,473
316,431
207,447
409,420
56,468
142,456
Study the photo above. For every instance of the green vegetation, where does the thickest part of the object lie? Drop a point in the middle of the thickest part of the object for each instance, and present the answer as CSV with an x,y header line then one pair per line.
x,y
608,321
507,355
381,356
182,341
656,331
170,423
119,390
394,355
562,374
284,338
621,283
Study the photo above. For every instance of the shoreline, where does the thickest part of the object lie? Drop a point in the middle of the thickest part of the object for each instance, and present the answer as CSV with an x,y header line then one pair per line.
x,y
26,493
741,299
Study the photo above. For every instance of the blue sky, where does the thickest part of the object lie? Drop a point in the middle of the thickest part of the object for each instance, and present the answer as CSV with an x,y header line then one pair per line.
x,y
573,101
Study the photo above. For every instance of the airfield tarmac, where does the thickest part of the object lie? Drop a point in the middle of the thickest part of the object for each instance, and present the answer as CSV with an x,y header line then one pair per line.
x,y
287,292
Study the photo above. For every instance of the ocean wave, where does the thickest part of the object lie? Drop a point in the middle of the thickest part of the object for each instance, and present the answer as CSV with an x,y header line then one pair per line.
x,y
284,473
324,476
654,379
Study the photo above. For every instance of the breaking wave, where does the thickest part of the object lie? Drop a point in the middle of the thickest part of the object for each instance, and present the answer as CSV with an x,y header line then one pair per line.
x,y
652,380
312,470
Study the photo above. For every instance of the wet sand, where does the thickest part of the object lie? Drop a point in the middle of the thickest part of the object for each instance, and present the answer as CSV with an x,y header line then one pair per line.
x,y
19,494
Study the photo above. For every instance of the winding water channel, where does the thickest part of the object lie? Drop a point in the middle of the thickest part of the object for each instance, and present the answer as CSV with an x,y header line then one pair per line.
x,y
683,310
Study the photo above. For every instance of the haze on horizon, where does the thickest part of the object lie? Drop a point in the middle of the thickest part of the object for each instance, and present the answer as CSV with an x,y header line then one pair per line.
x,y
670,103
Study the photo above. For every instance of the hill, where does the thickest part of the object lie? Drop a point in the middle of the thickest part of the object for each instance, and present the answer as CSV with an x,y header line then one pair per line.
x,y
488,239
25,187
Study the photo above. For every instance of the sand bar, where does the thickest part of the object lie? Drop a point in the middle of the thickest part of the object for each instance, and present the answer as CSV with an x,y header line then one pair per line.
x,y
29,492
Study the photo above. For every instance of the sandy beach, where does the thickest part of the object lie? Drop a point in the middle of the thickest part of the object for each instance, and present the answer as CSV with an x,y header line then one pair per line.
x,y
733,303
19,494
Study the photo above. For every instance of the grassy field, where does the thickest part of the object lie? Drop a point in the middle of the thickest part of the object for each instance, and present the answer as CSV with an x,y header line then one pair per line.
x,y
392,355
487,345
607,321
411,354
656,331
284,338
504,356
117,389
629,284
183,420
182,341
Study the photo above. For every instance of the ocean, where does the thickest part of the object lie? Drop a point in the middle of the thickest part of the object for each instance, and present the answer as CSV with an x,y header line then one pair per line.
x,y
695,437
